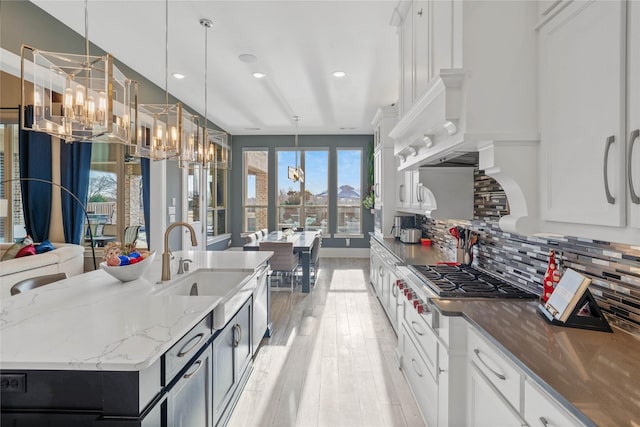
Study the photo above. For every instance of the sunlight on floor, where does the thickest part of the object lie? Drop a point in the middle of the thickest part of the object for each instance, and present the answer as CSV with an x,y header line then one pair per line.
x,y
331,361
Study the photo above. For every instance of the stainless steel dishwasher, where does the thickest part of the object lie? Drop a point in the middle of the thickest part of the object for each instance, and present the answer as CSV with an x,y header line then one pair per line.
x,y
261,308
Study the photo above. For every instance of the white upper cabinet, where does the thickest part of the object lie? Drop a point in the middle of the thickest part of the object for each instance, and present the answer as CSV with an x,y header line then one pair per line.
x,y
589,73
406,61
384,176
582,97
633,116
463,81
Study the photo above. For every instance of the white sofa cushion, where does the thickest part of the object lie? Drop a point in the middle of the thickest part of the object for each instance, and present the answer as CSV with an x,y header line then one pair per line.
x,y
66,258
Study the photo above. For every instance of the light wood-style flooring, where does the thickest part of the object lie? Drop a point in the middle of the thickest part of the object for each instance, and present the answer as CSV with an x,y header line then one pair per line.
x,y
330,361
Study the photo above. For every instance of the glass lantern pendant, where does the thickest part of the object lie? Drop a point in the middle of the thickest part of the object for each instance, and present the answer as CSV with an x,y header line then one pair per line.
x,y
167,131
219,149
77,97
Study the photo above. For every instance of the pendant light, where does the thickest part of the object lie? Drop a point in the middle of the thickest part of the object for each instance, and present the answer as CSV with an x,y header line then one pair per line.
x,y
166,131
216,149
296,173
77,97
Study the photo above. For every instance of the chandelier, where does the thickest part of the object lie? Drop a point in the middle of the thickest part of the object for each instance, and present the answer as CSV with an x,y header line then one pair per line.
x,y
77,97
296,173
167,131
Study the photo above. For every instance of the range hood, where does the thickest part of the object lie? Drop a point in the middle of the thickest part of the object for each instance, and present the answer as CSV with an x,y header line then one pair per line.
x,y
455,117
447,192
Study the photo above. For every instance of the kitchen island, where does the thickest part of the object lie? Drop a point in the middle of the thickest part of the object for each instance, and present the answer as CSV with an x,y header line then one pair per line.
x,y
477,349
93,349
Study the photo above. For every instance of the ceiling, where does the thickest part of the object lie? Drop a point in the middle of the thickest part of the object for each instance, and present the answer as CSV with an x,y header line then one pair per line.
x,y
297,44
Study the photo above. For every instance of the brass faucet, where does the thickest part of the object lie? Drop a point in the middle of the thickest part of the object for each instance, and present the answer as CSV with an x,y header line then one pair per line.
x,y
166,254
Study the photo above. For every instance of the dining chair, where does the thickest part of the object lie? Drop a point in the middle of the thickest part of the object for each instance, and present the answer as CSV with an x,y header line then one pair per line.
x,y
131,234
264,232
35,282
283,262
315,257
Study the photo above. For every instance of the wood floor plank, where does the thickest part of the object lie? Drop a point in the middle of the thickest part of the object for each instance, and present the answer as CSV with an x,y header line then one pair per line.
x,y
331,359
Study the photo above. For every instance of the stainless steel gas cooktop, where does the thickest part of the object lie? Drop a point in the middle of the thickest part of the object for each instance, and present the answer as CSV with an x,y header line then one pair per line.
x,y
465,281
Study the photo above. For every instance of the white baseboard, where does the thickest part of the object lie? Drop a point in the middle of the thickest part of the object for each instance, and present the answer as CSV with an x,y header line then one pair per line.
x,y
344,252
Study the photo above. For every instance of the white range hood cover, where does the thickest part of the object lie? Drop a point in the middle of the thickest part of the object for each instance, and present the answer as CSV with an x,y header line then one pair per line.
x,y
447,192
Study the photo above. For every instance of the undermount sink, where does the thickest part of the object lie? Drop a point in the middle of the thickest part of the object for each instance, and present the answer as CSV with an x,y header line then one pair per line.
x,y
232,286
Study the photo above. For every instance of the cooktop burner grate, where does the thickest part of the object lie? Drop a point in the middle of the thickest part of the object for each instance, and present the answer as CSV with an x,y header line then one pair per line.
x,y
466,281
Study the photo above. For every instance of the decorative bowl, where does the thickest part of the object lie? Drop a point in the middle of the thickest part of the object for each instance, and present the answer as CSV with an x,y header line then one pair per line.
x,y
127,273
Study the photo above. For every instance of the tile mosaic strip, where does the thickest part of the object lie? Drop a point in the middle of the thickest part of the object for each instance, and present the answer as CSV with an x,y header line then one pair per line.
x,y
614,268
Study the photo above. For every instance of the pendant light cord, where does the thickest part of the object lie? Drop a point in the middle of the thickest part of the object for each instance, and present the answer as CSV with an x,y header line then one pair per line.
x,y
86,30
166,53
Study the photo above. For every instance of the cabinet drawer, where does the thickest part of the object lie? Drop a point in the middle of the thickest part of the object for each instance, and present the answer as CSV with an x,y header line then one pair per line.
x,y
424,337
422,383
177,356
500,372
540,409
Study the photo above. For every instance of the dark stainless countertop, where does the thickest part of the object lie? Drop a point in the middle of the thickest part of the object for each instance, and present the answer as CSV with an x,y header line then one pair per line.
x,y
412,253
597,373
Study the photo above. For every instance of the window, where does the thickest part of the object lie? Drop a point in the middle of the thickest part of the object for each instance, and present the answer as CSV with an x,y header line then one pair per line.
x,y
349,199
115,180
11,227
311,211
256,190
216,201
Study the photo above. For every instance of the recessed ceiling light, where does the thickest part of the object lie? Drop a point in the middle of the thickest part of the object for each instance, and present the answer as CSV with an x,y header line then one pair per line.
x,y
251,128
259,75
178,76
339,74
247,57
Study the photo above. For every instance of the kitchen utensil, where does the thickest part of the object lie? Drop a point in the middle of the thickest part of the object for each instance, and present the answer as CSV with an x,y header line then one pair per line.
x,y
411,235
454,232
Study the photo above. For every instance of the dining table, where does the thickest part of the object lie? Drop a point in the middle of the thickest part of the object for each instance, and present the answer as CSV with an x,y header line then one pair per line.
x,y
302,243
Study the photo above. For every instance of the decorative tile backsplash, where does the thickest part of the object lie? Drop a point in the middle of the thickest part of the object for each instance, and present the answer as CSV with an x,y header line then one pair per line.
x,y
613,268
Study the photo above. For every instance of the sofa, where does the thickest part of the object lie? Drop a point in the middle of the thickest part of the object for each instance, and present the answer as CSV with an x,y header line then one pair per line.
x,y
65,258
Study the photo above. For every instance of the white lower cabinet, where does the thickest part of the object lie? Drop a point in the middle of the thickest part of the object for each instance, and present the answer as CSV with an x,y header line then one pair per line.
x,y
420,377
500,394
487,407
541,410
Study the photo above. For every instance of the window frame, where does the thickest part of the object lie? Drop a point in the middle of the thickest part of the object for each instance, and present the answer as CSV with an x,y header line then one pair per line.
x,y
359,234
303,207
245,177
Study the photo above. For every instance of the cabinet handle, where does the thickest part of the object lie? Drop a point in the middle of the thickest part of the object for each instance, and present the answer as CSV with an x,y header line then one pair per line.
x,y
414,365
197,365
186,349
400,194
380,271
416,329
632,140
551,7
610,140
237,335
394,287
544,421
377,189
497,374
418,193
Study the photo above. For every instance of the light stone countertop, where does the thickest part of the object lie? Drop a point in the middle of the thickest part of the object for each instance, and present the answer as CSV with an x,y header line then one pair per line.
x,y
95,322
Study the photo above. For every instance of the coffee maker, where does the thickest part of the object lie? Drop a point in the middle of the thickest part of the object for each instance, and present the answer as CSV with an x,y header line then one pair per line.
x,y
400,222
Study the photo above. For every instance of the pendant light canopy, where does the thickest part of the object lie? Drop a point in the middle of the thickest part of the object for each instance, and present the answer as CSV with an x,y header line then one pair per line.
x,y
77,97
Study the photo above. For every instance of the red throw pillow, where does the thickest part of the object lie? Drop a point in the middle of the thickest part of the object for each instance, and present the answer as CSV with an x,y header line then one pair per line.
x,y
26,251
